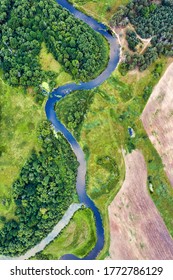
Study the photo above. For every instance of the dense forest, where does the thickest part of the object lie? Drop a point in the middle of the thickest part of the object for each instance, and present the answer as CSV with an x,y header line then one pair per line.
x,y
44,190
24,25
132,39
150,20
73,109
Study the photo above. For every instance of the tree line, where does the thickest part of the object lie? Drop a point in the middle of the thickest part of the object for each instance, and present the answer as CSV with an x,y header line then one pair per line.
x,y
42,193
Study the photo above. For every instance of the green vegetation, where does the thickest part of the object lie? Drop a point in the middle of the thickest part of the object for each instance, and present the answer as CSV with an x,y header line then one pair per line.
x,y
117,105
98,140
74,110
99,9
132,40
82,51
124,90
43,171
42,193
78,238
48,63
34,38
128,114
150,20
18,138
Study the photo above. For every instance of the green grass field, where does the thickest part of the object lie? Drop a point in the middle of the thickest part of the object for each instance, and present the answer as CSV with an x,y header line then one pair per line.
x,y
99,9
105,167
19,119
78,237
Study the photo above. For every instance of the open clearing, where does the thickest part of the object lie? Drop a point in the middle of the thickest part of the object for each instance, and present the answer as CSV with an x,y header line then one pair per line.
x,y
137,230
157,119
48,63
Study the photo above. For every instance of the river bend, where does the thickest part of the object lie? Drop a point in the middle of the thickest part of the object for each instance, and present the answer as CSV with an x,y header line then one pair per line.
x,y
60,93
54,97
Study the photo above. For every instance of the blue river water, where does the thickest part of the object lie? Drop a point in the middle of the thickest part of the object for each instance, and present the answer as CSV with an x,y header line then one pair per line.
x,y
60,93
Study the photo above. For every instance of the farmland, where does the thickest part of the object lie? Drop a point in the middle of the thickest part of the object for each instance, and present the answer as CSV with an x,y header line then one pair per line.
x,y
136,227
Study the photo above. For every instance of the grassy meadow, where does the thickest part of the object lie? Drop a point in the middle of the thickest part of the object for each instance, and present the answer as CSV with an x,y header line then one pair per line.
x,y
99,9
105,168
78,237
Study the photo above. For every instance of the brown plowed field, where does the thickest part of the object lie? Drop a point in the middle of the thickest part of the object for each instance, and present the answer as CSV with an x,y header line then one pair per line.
x,y
137,230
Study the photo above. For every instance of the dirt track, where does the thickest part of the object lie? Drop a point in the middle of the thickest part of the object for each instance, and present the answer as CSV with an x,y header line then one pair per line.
x,y
157,119
137,230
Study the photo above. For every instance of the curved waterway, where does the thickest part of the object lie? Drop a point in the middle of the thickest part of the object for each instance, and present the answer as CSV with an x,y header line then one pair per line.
x,y
60,93
54,97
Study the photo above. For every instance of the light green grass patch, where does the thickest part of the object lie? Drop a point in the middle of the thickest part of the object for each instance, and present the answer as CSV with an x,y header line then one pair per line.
x,y
99,9
45,86
48,63
78,237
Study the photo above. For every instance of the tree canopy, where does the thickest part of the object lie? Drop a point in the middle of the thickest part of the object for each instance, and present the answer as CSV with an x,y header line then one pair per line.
x,y
42,193
150,20
24,25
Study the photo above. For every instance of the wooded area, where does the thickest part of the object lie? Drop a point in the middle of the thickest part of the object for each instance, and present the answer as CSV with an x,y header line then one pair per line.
x,y
73,109
44,190
150,20
24,25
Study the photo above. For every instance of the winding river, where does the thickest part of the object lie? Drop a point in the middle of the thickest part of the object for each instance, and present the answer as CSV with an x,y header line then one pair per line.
x,y
61,92
54,97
